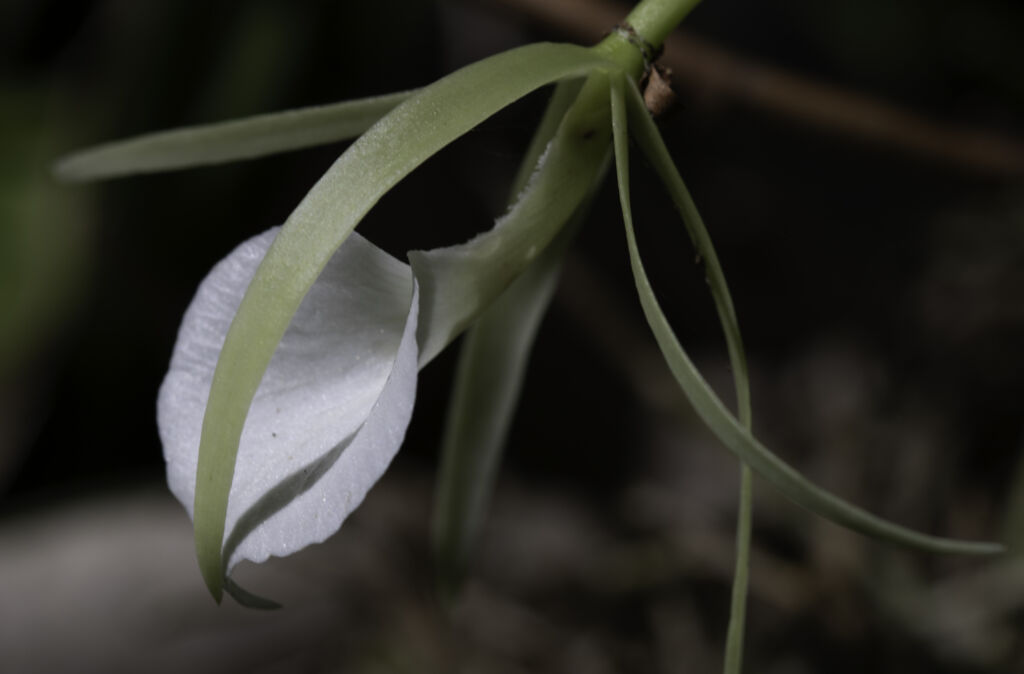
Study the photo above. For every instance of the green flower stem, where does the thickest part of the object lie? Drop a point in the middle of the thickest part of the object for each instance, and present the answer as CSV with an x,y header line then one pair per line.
x,y
653,20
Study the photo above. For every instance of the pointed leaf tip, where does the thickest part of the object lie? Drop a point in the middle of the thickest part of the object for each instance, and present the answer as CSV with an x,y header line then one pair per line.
x,y
248,599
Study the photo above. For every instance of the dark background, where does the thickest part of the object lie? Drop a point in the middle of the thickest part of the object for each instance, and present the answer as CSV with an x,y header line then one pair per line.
x,y
879,285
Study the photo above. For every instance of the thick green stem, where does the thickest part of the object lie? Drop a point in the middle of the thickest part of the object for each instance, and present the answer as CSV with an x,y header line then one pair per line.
x,y
653,20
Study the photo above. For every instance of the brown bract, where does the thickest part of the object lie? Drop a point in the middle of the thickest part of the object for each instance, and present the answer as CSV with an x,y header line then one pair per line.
x,y
658,94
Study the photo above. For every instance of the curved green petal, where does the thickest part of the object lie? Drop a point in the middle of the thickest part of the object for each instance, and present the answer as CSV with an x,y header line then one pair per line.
x,y
458,282
370,167
726,314
647,137
739,439
233,140
488,379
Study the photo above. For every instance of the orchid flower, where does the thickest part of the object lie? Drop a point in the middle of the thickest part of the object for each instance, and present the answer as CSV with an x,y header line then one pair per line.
x,y
294,375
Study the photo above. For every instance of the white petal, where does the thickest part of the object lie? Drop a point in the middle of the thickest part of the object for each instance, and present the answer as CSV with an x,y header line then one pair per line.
x,y
330,412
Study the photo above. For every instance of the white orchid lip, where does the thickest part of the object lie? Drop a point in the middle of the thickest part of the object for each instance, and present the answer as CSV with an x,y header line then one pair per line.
x,y
330,412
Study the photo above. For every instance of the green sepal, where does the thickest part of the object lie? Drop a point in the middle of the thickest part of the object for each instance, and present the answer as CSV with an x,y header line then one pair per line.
x,y
488,380
228,141
730,327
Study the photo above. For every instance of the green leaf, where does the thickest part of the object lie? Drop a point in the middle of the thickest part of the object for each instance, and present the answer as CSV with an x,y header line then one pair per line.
x,y
233,140
730,431
726,313
370,167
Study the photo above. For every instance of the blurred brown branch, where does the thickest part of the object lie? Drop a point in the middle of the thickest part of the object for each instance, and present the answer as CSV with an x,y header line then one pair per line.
x,y
700,65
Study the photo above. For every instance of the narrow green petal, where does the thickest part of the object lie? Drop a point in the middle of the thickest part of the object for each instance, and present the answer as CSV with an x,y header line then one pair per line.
x,y
492,364
233,140
653,146
740,441
489,376
371,166
649,140
488,381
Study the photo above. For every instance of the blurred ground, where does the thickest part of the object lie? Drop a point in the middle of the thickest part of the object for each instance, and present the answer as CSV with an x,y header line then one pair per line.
x,y
879,284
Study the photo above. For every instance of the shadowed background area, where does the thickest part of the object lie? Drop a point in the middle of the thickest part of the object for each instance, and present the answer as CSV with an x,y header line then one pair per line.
x,y
860,168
